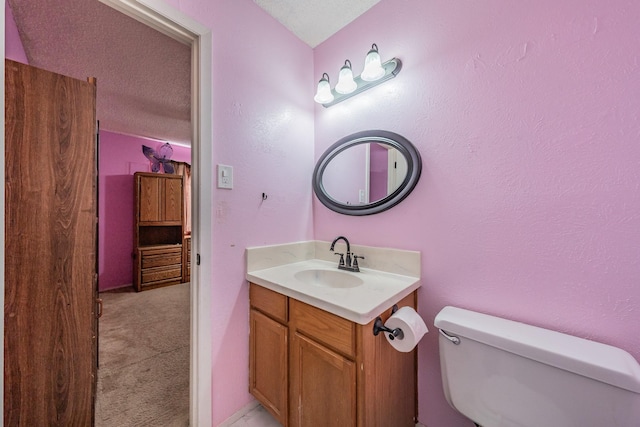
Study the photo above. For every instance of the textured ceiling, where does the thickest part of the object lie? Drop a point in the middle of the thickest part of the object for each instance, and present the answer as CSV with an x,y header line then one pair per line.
x,y
315,21
144,76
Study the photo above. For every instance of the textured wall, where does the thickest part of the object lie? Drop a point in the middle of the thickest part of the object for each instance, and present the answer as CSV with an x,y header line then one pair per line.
x,y
120,157
12,45
262,126
526,116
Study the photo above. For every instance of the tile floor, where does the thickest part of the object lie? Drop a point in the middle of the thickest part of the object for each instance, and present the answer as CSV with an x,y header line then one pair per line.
x,y
257,417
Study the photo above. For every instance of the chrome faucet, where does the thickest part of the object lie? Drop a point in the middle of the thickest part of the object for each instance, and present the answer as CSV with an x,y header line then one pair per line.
x,y
345,263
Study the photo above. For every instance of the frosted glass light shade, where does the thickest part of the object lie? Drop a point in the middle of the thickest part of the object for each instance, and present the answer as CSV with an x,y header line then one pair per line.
x,y
372,66
323,94
346,84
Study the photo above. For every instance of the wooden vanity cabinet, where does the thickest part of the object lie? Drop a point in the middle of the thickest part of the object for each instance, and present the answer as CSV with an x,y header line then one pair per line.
x,y
268,347
322,368
339,373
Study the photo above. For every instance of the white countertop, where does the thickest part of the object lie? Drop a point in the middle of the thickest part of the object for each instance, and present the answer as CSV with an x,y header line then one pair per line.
x,y
361,304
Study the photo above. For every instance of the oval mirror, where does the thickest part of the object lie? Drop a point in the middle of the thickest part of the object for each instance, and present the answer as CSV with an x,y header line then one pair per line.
x,y
367,172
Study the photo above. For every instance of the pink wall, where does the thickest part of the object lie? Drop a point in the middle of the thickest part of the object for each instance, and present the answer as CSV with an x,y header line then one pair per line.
x,y
262,122
120,157
526,117
12,44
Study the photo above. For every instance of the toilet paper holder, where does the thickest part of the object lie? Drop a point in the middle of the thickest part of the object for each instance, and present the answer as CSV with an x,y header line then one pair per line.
x,y
378,326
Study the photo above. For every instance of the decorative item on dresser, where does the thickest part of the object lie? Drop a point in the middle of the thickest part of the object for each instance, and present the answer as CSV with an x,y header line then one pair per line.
x,y
158,236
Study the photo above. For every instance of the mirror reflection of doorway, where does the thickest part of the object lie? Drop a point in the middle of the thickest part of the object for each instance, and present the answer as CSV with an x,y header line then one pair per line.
x,y
387,169
396,169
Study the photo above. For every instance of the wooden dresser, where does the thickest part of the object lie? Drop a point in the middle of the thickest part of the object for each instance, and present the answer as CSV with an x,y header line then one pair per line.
x,y
158,235
186,260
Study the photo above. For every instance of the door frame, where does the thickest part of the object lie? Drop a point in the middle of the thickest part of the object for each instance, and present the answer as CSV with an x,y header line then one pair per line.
x,y
173,23
2,27
168,20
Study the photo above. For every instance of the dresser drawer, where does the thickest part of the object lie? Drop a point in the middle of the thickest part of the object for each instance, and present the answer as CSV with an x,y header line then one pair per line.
x,y
161,260
159,274
324,327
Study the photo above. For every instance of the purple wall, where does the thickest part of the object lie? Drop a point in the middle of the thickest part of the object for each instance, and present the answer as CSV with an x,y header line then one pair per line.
x,y
13,48
525,114
120,157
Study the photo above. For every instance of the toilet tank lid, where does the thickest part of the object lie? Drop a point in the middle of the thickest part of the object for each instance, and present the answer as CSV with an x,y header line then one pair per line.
x,y
591,359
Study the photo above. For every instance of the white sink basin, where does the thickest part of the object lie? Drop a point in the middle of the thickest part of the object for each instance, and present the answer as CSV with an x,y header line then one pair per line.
x,y
358,297
329,278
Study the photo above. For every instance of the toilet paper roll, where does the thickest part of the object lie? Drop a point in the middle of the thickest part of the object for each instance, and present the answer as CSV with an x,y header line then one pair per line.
x,y
413,328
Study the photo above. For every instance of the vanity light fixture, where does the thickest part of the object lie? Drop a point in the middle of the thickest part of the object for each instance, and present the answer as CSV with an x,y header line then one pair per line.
x,y
374,73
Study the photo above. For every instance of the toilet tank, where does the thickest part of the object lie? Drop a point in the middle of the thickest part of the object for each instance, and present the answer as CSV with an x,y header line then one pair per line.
x,y
508,374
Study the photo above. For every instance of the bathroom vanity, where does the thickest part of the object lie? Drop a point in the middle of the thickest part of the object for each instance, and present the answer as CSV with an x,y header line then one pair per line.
x,y
314,359
311,367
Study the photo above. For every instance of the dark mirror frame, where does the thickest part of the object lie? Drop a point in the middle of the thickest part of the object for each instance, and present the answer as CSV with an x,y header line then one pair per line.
x,y
400,143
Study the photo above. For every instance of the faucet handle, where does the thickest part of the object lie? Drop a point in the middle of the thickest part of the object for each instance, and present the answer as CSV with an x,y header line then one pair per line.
x,y
355,262
341,262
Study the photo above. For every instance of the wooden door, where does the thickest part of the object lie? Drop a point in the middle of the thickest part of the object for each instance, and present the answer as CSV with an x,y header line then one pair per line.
x,y
50,249
323,386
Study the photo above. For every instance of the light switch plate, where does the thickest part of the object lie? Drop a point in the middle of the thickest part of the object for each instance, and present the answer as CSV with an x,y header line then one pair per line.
x,y
225,177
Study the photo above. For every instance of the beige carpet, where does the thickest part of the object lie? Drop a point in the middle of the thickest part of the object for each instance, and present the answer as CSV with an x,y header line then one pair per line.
x,y
143,375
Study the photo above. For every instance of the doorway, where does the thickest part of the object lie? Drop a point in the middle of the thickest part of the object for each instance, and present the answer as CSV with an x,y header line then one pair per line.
x,y
175,24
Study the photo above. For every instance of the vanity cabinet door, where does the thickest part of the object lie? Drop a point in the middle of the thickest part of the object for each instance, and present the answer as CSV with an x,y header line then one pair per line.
x,y
268,364
323,385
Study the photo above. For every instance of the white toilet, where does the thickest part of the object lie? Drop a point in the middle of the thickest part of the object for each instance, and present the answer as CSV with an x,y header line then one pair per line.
x,y
501,373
